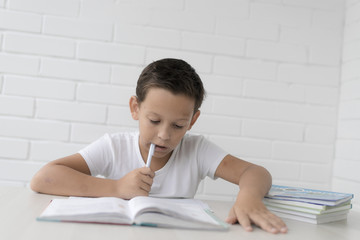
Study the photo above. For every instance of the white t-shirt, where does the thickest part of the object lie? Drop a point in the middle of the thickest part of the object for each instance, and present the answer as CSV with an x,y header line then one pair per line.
x,y
115,155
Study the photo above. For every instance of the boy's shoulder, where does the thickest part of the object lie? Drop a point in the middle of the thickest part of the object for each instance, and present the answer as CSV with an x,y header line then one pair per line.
x,y
121,137
193,139
193,136
124,135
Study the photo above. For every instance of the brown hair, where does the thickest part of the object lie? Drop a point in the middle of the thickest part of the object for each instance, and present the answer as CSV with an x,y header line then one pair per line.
x,y
174,75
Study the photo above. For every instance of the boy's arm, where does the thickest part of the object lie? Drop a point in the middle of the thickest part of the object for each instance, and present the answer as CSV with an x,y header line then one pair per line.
x,y
70,176
254,182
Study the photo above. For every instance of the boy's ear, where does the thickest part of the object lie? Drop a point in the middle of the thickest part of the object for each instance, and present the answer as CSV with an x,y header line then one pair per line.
x,y
134,107
194,118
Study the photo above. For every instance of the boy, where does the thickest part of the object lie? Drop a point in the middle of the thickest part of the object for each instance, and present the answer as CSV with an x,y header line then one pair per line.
x,y
169,94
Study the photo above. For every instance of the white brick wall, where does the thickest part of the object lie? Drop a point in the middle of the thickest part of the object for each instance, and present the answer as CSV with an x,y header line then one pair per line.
x,y
347,155
38,45
10,64
75,28
74,70
38,87
53,7
28,128
20,21
272,71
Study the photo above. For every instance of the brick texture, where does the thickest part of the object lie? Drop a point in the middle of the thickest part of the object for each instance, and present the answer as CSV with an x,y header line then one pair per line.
x,y
347,158
282,80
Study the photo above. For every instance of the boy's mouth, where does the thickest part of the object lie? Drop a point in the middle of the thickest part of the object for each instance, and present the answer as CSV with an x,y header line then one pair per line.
x,y
160,148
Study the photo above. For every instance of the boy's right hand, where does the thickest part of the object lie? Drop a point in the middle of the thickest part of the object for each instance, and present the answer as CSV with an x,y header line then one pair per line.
x,y
136,183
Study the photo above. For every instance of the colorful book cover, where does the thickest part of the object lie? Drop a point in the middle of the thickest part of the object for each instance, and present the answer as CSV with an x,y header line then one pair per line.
x,y
308,195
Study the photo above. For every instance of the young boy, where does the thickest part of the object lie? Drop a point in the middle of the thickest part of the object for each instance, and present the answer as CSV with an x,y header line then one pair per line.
x,y
169,94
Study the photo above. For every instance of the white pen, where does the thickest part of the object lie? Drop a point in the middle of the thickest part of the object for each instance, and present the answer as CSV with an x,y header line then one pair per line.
x,y
151,153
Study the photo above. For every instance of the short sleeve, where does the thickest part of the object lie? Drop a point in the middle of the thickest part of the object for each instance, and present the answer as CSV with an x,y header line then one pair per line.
x,y
207,154
209,157
99,156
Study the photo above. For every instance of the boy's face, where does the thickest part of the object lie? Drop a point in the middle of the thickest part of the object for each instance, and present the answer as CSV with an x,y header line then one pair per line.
x,y
164,118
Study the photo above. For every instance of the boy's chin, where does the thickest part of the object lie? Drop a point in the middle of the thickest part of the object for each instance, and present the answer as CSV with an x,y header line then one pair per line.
x,y
162,155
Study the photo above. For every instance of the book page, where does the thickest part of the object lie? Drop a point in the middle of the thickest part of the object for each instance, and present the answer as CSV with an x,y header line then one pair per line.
x,y
86,209
186,209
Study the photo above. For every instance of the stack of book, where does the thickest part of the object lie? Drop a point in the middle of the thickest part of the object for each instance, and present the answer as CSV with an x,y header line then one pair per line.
x,y
308,205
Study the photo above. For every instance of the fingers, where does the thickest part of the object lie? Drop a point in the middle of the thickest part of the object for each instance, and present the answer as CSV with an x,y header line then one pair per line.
x,y
241,218
231,219
147,171
269,222
145,183
146,179
136,183
262,218
147,176
278,223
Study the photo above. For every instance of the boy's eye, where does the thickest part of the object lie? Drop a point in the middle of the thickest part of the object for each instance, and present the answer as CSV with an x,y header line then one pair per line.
x,y
154,121
178,126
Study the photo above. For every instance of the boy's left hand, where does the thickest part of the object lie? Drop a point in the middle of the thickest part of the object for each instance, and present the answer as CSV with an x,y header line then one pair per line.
x,y
248,210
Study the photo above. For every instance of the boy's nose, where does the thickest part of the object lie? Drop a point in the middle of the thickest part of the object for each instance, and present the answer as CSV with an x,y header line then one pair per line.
x,y
164,133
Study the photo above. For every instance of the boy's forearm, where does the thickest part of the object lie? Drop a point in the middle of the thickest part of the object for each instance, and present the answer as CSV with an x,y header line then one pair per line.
x,y
62,180
256,180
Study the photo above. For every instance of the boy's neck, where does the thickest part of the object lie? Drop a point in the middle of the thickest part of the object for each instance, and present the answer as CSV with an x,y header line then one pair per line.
x,y
159,163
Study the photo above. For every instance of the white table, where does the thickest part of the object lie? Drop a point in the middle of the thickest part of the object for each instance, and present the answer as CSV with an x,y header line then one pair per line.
x,y
19,208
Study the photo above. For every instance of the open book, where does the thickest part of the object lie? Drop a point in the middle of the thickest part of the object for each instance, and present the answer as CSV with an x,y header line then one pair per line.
x,y
142,211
